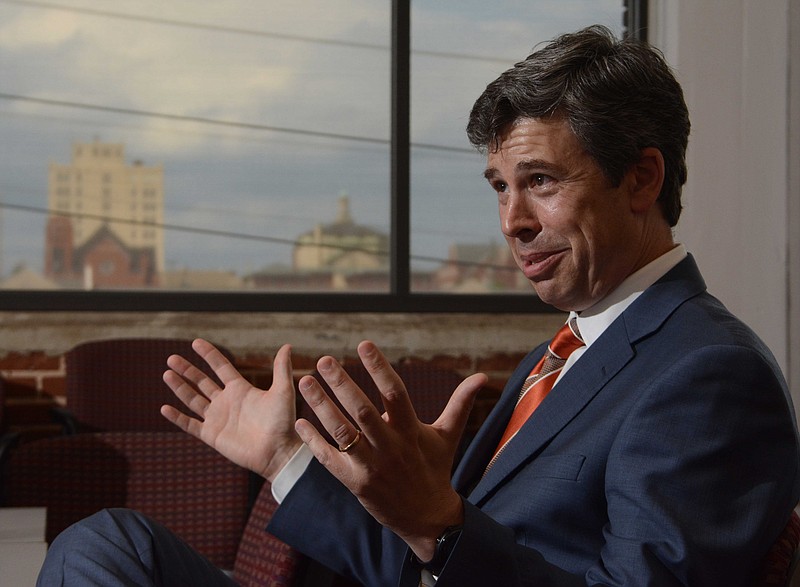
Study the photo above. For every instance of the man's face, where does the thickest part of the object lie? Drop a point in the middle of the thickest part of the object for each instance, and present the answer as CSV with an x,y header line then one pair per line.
x,y
573,235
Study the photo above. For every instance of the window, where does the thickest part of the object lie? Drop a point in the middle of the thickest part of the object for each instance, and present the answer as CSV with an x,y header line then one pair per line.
x,y
314,150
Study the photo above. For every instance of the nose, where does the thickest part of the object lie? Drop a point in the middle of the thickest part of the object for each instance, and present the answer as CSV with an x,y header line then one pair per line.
x,y
518,217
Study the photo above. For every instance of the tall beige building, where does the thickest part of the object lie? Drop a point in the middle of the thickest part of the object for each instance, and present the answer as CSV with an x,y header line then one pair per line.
x,y
99,190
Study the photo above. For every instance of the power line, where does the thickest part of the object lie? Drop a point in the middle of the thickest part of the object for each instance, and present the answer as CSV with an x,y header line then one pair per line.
x,y
187,118
249,32
218,122
194,25
240,236
132,127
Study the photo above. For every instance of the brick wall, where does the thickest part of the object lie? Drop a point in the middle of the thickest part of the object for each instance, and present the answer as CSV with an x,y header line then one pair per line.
x,y
33,346
33,382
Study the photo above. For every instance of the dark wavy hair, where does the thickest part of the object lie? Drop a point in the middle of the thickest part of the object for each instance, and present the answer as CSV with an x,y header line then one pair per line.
x,y
618,97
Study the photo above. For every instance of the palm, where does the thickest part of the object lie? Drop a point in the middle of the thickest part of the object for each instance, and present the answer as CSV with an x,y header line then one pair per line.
x,y
236,423
252,427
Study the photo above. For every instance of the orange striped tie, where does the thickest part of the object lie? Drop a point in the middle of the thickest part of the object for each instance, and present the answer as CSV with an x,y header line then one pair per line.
x,y
541,379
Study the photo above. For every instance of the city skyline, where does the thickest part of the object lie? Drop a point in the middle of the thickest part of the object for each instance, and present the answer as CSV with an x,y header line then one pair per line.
x,y
263,117
104,230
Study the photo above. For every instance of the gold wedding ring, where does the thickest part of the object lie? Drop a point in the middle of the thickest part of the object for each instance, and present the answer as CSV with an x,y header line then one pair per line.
x,y
350,446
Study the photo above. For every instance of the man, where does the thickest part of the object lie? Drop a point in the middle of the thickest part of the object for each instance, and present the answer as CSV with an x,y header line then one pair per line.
x,y
665,454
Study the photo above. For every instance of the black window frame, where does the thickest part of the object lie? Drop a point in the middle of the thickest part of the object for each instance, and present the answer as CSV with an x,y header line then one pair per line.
x,y
399,299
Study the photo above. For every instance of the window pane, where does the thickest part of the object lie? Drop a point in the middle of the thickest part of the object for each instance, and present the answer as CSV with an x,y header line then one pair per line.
x,y
227,145
458,47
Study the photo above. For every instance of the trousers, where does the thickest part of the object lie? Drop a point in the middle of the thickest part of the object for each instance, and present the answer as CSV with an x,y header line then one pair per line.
x,y
119,547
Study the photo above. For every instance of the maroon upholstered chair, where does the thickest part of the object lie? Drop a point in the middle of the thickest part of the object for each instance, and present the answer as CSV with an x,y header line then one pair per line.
x,y
782,563
262,560
429,387
265,561
117,384
172,477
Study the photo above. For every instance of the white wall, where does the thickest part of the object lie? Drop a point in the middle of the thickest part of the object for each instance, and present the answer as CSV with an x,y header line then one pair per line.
x,y
741,216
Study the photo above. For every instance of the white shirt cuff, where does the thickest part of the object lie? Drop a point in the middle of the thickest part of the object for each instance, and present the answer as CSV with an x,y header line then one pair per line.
x,y
291,472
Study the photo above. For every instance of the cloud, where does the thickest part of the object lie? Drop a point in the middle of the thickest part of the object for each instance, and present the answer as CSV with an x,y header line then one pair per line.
x,y
263,68
37,29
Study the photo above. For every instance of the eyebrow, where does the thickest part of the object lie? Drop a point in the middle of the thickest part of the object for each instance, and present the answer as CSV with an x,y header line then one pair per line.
x,y
527,165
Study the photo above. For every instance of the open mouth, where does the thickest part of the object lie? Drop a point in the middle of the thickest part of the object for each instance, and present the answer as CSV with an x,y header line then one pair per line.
x,y
538,266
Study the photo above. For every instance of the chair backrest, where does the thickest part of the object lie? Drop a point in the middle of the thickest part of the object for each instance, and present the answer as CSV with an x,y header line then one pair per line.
x,y
173,478
429,387
116,384
794,570
780,567
262,560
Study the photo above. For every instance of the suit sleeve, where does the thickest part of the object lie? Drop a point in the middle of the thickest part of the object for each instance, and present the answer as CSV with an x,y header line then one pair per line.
x,y
324,521
703,475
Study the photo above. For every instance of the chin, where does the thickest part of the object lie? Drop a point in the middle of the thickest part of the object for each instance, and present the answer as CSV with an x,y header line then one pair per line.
x,y
560,302
547,298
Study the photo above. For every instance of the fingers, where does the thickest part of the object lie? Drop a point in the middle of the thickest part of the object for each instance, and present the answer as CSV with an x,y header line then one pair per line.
x,y
216,360
282,370
341,429
455,415
400,413
399,409
188,372
193,387
327,455
345,434
187,424
187,393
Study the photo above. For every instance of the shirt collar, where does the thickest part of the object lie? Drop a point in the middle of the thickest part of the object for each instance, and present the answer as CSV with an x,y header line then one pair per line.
x,y
593,321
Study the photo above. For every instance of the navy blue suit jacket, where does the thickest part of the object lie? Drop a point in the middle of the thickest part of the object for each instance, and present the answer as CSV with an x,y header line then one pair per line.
x,y
667,455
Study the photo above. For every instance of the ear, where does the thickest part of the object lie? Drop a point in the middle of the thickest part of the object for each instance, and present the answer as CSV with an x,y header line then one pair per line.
x,y
646,177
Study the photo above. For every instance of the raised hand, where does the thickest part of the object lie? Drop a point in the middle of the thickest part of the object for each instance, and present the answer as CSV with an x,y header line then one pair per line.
x,y
398,467
252,427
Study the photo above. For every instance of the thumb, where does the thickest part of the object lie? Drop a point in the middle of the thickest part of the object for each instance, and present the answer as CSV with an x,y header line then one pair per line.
x,y
453,419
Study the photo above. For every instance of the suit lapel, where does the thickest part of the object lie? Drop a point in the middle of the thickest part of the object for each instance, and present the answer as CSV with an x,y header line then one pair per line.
x,y
482,447
594,370
575,389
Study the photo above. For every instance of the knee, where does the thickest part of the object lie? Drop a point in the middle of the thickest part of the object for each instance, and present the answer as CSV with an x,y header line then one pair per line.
x,y
99,543
82,535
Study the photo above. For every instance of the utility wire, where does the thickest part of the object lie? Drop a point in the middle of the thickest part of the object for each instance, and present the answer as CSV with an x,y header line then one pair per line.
x,y
240,236
218,122
250,32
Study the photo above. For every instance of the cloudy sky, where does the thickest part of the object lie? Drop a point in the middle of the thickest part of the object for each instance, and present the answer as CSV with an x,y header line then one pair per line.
x,y
261,112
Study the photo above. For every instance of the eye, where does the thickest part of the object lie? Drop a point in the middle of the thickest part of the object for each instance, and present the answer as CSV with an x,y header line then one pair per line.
x,y
499,186
540,179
